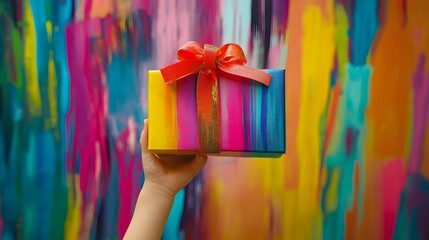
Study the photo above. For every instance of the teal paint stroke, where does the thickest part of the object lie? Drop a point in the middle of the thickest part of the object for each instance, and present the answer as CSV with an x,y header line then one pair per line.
x,y
236,22
350,120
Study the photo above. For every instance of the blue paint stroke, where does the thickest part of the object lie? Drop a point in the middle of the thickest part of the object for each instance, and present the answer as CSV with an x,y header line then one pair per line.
x,y
364,28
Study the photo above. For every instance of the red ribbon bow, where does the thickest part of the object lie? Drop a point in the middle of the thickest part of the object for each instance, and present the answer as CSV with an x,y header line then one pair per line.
x,y
194,59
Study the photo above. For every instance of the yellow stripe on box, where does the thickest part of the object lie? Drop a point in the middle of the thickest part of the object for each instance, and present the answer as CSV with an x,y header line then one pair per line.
x,y
162,113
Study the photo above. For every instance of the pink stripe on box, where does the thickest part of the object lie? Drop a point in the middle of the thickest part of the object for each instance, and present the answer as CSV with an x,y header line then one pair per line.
x,y
231,113
187,114
246,116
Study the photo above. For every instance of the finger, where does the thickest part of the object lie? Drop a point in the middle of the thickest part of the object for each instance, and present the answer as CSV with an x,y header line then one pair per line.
x,y
201,160
143,137
146,155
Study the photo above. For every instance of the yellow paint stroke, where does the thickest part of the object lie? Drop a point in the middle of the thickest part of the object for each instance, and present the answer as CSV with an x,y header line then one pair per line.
x,y
49,30
162,113
318,47
52,92
332,193
74,206
34,102
342,41
52,84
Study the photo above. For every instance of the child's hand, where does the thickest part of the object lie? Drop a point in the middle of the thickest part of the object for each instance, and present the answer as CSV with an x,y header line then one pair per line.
x,y
167,174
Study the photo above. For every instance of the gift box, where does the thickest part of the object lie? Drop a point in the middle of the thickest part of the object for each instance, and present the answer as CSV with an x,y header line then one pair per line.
x,y
214,111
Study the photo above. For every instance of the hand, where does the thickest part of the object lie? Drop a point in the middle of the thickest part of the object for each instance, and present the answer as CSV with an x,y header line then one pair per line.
x,y
167,174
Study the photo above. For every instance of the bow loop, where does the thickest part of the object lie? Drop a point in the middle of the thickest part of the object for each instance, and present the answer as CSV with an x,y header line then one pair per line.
x,y
229,58
231,53
190,51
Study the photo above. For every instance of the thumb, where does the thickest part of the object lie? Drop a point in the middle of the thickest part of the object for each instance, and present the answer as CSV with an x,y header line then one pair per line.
x,y
198,163
143,136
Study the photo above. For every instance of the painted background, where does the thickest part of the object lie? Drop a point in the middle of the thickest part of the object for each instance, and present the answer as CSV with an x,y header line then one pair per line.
x,y
73,100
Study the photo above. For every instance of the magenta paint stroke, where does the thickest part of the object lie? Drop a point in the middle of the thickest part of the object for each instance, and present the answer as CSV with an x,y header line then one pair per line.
x,y
86,120
393,177
420,83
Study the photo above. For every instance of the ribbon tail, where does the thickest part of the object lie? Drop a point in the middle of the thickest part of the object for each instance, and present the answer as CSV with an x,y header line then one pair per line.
x,y
208,112
247,72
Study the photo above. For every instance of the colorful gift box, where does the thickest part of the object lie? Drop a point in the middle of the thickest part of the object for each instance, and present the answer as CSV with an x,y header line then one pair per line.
x,y
218,113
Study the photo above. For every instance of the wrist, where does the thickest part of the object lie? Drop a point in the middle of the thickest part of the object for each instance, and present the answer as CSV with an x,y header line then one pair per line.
x,y
158,190
151,212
